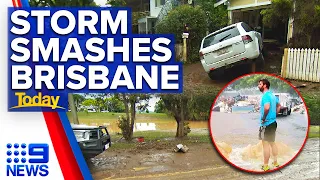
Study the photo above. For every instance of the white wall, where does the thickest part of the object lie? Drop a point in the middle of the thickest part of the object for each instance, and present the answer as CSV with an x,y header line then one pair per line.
x,y
154,11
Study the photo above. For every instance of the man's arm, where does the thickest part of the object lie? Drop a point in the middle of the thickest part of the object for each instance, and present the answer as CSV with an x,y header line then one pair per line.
x,y
266,111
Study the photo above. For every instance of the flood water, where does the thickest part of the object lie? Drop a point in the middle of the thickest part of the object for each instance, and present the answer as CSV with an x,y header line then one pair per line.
x,y
240,131
155,126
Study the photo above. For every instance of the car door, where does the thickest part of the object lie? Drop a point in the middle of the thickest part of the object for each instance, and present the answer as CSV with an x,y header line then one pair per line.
x,y
104,138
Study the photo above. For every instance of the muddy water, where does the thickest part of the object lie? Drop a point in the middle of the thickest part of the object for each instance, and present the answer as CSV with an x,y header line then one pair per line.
x,y
155,126
240,131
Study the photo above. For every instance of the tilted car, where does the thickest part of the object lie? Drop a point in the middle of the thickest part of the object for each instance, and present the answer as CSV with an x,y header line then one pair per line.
x,y
233,45
92,140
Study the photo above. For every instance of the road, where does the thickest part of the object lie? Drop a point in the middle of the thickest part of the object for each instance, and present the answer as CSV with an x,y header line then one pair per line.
x,y
202,161
306,166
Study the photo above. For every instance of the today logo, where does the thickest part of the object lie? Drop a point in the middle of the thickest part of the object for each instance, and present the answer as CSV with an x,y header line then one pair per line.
x,y
36,101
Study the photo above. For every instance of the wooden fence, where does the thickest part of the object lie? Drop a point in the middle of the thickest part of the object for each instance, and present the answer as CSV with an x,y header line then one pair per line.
x,y
301,64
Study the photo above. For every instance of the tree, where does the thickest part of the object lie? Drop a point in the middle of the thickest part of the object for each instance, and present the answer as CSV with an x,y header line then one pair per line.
x,y
177,106
78,99
61,3
89,102
217,17
117,3
159,107
114,104
75,119
251,81
130,101
306,19
175,21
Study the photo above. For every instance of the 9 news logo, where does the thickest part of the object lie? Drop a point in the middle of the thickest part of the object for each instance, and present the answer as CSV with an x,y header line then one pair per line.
x,y
27,160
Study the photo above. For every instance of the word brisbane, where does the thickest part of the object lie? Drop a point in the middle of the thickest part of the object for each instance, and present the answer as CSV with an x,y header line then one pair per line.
x,y
95,77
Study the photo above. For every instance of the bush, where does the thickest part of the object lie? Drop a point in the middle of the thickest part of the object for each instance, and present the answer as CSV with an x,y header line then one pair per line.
x,y
313,105
125,128
174,23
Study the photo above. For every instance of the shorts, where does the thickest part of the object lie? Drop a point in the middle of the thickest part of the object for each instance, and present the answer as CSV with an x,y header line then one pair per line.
x,y
268,133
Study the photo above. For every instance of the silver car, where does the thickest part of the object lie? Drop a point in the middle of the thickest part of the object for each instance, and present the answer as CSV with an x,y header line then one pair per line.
x,y
229,46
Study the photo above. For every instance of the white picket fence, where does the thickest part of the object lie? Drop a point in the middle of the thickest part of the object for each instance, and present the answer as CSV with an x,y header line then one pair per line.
x,y
301,64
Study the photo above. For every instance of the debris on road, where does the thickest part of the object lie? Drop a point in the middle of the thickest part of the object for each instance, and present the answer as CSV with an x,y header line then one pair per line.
x,y
181,148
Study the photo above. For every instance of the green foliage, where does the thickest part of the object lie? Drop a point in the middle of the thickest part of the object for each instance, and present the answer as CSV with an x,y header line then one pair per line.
x,y
186,128
114,104
159,107
217,17
306,15
307,23
251,81
196,105
117,3
280,11
199,105
174,23
124,125
314,132
61,3
312,101
131,102
89,102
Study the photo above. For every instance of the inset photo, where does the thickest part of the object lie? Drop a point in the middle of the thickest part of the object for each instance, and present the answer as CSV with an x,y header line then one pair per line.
x,y
259,123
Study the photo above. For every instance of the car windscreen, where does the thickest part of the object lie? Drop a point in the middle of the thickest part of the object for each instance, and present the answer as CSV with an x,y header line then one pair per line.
x,y
220,36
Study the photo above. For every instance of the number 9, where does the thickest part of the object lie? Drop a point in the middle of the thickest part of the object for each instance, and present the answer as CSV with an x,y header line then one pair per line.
x,y
34,150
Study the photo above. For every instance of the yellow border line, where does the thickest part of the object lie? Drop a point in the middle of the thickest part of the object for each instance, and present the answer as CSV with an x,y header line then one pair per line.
x,y
169,174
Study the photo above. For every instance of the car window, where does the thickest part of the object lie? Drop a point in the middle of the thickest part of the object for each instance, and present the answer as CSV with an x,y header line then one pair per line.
x,y
94,135
104,131
246,27
221,36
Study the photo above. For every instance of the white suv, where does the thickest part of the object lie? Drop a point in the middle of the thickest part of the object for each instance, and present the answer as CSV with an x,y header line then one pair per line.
x,y
232,45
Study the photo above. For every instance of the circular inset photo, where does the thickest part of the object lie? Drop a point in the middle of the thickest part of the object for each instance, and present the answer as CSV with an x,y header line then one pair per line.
x,y
259,123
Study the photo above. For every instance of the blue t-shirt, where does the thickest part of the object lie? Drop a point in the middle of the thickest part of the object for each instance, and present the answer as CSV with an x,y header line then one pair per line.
x,y
268,97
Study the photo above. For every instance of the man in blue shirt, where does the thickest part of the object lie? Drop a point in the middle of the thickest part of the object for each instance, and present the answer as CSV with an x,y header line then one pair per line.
x,y
269,108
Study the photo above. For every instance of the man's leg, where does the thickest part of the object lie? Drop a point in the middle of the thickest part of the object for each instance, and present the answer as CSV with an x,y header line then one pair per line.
x,y
274,152
266,152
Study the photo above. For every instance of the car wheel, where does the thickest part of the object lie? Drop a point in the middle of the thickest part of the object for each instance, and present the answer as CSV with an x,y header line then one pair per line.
x,y
285,112
214,74
260,63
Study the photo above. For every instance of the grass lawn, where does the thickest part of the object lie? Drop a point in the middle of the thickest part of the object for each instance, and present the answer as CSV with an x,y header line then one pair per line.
x,y
158,138
314,132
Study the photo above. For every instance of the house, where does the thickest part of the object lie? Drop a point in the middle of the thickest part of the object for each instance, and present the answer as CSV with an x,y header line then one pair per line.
x,y
146,24
158,10
248,11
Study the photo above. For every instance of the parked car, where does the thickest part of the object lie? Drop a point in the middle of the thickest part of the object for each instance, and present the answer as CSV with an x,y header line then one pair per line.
x,y
296,101
230,46
92,140
91,110
285,103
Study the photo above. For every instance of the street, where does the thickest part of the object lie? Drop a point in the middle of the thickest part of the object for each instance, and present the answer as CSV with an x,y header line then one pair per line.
x,y
204,163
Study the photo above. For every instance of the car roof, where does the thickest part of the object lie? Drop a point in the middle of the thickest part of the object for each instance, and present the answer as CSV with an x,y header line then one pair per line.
x,y
222,29
85,127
